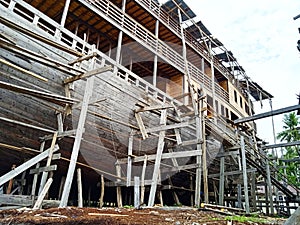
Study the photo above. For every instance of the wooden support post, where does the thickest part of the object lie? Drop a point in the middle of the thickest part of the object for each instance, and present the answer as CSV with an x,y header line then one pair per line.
x,y
239,195
143,179
62,183
160,148
253,192
141,125
102,185
79,132
155,56
199,135
269,187
41,197
205,172
45,174
245,177
11,181
129,160
35,176
79,187
137,192
222,178
119,190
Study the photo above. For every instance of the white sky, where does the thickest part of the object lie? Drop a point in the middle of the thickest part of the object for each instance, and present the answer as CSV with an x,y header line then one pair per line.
x,y
262,36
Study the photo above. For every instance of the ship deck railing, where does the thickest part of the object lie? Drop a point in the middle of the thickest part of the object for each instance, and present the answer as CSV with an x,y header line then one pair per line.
x,y
164,17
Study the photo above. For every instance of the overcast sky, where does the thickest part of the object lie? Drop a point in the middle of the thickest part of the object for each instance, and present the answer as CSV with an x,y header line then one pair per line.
x,y
262,36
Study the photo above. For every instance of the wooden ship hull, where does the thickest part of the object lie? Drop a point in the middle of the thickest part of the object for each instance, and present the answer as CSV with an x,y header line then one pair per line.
x,y
123,92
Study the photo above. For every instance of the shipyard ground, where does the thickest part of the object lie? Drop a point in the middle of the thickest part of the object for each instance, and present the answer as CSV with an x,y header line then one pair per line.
x,y
125,216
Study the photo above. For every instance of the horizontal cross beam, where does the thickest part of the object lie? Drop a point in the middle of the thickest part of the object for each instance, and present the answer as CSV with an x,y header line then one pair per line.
x,y
267,114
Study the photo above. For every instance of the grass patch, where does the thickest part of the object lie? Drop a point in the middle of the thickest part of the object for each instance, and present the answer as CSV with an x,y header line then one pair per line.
x,y
244,219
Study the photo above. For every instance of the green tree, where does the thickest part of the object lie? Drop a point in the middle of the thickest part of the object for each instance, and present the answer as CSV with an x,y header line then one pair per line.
x,y
291,133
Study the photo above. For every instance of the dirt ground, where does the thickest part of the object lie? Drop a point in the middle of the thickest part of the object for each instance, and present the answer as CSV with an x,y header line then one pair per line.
x,y
114,216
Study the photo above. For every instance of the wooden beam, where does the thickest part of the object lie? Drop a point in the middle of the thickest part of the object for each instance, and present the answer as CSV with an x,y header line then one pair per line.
x,y
26,165
102,185
129,159
43,169
267,114
79,188
22,70
137,192
76,146
158,158
54,98
42,195
88,74
168,155
26,125
143,179
154,107
179,168
66,133
222,178
281,145
169,127
245,177
83,58
231,173
48,163
141,125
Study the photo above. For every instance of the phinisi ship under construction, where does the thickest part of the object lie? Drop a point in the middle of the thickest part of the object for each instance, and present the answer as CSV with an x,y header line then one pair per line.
x,y
100,97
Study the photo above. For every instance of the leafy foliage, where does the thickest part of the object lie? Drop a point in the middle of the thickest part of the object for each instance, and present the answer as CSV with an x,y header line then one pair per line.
x,y
291,133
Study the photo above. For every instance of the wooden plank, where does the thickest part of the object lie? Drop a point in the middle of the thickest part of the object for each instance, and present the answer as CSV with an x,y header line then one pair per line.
x,y
55,98
137,192
180,168
26,165
88,74
48,163
160,147
66,133
141,125
231,173
169,127
143,179
79,188
281,145
42,195
10,183
83,58
101,202
27,125
222,178
20,200
43,169
129,159
178,136
35,176
76,146
267,114
119,190
169,155
245,177
191,142
3,61
154,107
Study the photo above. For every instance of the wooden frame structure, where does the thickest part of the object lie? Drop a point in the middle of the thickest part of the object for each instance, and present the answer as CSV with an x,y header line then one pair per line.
x,y
126,88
